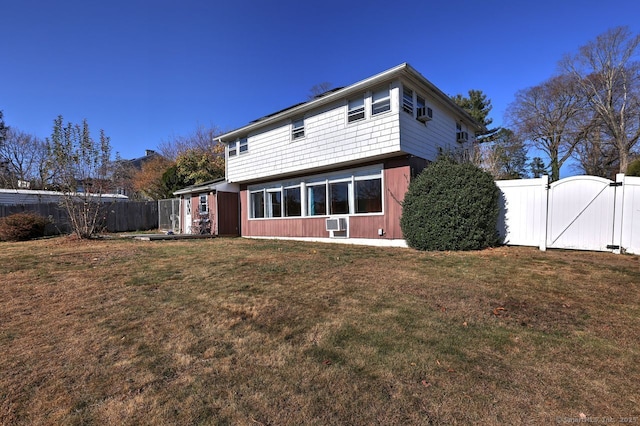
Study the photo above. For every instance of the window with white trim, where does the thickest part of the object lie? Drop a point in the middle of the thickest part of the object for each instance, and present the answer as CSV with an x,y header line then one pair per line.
x,y
297,129
203,205
350,193
274,203
420,105
339,196
257,203
233,148
407,100
368,195
292,202
317,199
355,110
244,145
380,101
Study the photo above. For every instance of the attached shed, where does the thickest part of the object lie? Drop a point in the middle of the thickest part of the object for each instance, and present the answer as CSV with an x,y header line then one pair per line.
x,y
210,207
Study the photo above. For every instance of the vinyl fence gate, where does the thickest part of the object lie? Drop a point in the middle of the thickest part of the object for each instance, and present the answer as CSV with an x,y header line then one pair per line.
x,y
169,215
580,212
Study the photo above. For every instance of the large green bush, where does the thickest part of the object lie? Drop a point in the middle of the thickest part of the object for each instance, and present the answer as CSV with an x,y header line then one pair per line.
x,y
634,168
451,206
22,227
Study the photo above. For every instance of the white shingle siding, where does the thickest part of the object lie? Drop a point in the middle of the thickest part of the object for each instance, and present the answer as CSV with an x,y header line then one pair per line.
x,y
328,140
424,140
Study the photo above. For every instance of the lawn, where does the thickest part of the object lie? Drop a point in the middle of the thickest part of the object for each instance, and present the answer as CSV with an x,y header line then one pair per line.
x,y
246,332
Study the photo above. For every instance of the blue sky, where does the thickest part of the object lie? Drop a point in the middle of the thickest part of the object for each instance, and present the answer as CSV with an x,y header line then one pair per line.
x,y
145,71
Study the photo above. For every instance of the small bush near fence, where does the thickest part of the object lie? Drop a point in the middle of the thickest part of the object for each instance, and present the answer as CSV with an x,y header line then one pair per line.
x,y
117,217
22,227
451,206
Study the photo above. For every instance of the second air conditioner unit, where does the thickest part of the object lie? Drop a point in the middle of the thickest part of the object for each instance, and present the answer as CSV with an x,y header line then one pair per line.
x,y
424,114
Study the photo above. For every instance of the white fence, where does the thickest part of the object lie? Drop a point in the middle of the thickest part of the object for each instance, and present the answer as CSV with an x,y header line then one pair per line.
x,y
580,212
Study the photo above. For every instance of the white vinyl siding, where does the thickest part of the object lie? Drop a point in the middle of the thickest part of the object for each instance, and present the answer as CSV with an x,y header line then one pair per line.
x,y
329,140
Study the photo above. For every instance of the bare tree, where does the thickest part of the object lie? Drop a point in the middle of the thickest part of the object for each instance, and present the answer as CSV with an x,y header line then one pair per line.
x,y
24,158
319,89
82,165
596,155
552,117
201,139
608,73
505,157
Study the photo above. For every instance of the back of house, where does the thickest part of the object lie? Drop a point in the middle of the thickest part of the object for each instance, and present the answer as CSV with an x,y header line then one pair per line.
x,y
338,166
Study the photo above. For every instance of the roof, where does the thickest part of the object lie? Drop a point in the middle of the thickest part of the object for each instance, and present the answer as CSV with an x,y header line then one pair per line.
x,y
403,70
219,184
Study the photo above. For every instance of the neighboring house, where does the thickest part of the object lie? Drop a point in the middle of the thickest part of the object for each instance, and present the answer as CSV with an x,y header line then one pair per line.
x,y
210,207
338,166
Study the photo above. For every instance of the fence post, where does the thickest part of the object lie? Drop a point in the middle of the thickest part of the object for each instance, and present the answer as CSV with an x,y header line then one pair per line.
x,y
544,211
618,206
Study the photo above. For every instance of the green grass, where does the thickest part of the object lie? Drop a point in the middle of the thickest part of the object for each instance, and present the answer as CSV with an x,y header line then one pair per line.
x,y
233,331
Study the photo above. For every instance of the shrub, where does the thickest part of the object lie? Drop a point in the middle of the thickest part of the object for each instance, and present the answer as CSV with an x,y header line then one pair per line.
x,y
634,168
451,206
22,227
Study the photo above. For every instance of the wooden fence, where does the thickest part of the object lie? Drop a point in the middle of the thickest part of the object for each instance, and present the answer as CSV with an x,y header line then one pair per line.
x,y
119,217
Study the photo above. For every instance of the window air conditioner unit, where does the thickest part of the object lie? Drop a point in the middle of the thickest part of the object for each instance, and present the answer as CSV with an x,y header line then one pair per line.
x,y
336,224
425,114
462,136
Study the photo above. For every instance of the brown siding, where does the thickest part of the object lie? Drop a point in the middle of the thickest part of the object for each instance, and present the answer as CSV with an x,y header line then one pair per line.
x,y
396,180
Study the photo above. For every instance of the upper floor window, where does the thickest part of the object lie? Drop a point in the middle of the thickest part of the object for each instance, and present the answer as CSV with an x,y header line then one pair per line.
x,y
380,101
407,100
297,129
244,145
356,110
420,103
233,148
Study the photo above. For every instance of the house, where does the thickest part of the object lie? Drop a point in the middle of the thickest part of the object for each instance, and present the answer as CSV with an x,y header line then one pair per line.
x,y
337,167
210,207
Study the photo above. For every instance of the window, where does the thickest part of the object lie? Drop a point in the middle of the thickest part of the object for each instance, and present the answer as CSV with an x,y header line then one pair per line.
x,y
317,196
380,102
420,105
368,196
339,193
297,129
244,145
274,203
204,204
233,146
257,204
292,202
407,100
357,191
356,110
